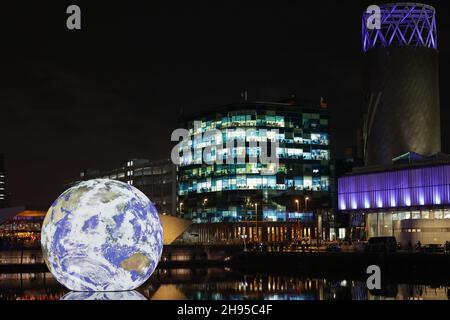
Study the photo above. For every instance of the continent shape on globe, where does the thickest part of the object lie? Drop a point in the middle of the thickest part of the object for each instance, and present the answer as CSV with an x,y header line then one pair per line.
x,y
102,235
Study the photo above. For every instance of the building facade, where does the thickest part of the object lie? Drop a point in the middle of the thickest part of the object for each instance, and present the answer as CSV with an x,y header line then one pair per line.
x,y
21,227
404,190
156,179
3,187
410,201
293,189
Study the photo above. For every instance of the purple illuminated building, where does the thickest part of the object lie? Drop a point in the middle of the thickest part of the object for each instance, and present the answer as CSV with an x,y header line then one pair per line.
x,y
396,189
405,189
402,24
401,82
409,200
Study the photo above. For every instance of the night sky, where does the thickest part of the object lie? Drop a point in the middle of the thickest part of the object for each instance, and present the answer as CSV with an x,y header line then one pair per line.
x,y
93,98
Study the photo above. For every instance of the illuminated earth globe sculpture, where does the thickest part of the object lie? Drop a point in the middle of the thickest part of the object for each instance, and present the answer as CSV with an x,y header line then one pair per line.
x,y
95,295
102,235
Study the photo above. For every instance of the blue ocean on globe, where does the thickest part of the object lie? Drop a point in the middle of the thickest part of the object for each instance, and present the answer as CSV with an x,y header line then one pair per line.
x,y
102,235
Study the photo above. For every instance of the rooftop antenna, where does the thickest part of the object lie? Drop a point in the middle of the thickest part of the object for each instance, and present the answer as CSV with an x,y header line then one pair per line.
x,y
323,103
244,95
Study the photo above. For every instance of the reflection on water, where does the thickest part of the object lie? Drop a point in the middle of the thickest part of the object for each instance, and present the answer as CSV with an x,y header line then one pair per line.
x,y
30,286
29,256
122,295
179,284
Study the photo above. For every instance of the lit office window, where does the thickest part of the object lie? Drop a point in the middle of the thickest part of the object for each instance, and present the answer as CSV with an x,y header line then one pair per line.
x,y
341,233
415,215
447,214
438,214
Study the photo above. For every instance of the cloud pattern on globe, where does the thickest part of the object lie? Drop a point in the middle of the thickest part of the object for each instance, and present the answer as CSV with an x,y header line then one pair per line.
x,y
114,295
102,235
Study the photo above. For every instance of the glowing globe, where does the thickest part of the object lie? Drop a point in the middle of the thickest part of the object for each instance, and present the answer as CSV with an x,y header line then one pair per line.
x,y
113,295
102,235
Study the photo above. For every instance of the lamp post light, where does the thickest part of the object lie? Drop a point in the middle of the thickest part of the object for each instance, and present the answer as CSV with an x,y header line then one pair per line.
x,y
204,206
306,203
298,218
256,220
181,205
244,236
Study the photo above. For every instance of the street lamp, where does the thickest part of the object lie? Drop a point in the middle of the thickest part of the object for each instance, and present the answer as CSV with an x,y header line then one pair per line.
x,y
181,204
204,205
306,203
298,220
244,236
256,219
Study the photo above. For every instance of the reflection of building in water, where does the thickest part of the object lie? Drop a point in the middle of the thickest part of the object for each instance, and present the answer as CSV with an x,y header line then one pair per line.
x,y
30,255
168,292
227,284
30,286
409,199
422,292
359,290
217,283
251,287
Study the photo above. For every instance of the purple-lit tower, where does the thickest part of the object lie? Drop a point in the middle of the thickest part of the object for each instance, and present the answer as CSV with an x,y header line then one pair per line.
x,y
402,85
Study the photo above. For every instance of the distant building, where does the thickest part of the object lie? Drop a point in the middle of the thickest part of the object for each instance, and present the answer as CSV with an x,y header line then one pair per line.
x,y
409,199
20,226
3,186
156,179
235,199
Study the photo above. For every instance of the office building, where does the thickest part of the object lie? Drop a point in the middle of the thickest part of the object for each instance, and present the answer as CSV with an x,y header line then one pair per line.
x,y
156,179
233,198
